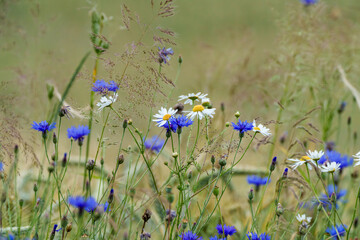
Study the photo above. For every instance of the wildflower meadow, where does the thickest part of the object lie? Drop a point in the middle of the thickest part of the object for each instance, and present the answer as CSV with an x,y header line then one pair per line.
x,y
180,120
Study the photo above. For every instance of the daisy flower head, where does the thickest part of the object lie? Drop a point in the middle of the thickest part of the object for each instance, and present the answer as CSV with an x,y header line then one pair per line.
x,y
330,167
255,236
163,116
303,219
200,112
242,127
106,101
261,129
301,161
315,155
102,87
43,127
333,231
357,159
164,54
78,133
225,230
189,235
191,98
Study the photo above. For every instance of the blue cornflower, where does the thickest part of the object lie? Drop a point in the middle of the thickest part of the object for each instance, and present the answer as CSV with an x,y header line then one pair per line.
x,y
332,231
78,133
257,181
334,156
243,127
325,199
255,236
154,144
308,2
164,54
43,127
216,238
225,230
89,204
178,122
189,236
102,87
1,167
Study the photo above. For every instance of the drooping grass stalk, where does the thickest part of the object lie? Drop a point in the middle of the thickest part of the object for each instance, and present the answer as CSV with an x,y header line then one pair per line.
x,y
354,214
196,140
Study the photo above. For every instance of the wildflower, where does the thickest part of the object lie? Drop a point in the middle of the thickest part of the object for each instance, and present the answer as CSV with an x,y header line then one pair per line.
x,y
357,159
334,156
308,2
315,155
154,144
178,122
43,127
261,129
102,87
333,231
163,116
145,236
303,219
225,230
170,215
164,54
301,161
190,236
257,181
242,127
65,111
89,204
341,108
106,101
325,199
78,133
255,236
330,167
1,167
191,98
206,102
216,238
200,112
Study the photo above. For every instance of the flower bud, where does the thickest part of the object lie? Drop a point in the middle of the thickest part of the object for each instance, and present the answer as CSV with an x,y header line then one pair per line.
x,y
90,165
341,108
102,161
54,138
16,149
279,210
69,227
64,221
216,191
251,194
111,196
146,216
212,159
222,162
227,124
21,203
64,160
237,114
125,123
285,173
168,133
222,107
51,168
175,154
121,159
35,188
184,224
349,120
273,164
129,122
50,91
132,192
180,59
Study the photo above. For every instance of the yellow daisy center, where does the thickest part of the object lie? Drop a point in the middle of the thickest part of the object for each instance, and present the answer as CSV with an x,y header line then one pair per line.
x,y
166,117
256,129
198,108
305,158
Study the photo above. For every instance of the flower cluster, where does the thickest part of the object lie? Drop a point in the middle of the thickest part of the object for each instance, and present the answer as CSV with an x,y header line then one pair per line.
x,y
255,236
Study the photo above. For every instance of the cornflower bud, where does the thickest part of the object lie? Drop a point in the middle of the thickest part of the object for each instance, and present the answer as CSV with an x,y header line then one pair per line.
x,y
237,114
51,168
168,133
273,164
125,123
222,107
35,188
16,149
279,210
251,194
184,224
21,203
222,162
285,173
349,120
69,227
180,59
212,159
90,164
146,216
216,191
64,221
121,159
64,160
55,140
111,196
175,154
227,124
341,108
102,161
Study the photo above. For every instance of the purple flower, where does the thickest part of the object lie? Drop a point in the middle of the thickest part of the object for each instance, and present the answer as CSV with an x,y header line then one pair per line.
x,y
154,144
332,231
178,122
225,230
164,54
78,133
257,181
102,87
80,202
43,127
242,127
334,156
308,2
255,236
190,236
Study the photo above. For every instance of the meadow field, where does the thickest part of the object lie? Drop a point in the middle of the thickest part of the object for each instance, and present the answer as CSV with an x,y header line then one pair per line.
x,y
179,120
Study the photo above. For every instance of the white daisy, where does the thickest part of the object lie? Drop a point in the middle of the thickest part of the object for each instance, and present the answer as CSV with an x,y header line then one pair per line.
x,y
191,98
163,116
205,102
261,129
301,161
303,219
106,101
315,155
330,167
357,159
200,112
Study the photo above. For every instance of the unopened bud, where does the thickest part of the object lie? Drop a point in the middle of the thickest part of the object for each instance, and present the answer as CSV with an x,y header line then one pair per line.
x,y
279,210
273,164
129,122
168,133
216,191
125,123
21,203
102,161
237,114
212,159
121,159
251,194
175,155
35,188
222,162
51,168
69,227
64,160
285,173
111,196
227,124
222,107
180,59
90,165
146,216
54,138
64,221
184,224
